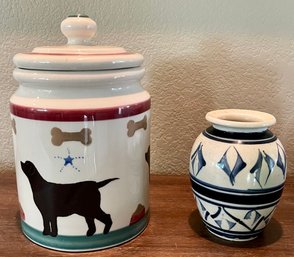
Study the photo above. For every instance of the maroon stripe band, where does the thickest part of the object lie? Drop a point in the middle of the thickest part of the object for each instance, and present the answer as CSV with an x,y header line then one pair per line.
x,y
79,114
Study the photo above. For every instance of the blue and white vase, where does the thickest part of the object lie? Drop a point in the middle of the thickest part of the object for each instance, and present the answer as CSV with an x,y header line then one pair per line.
x,y
237,170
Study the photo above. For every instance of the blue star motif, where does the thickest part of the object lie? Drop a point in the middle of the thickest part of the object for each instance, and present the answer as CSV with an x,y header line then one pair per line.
x,y
68,160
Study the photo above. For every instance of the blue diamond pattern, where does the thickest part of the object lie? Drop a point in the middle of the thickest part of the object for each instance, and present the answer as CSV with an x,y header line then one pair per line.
x,y
224,165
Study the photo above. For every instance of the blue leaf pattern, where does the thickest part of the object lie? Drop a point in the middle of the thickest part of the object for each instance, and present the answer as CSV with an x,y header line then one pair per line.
x,y
249,214
202,206
222,215
198,160
239,165
219,223
217,213
231,224
280,163
257,167
201,161
270,164
224,165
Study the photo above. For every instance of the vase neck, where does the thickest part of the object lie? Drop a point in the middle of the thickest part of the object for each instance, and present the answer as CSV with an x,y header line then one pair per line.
x,y
240,121
239,129
239,137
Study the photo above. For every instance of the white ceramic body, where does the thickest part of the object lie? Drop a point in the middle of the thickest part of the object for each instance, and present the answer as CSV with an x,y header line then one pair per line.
x,y
104,106
237,180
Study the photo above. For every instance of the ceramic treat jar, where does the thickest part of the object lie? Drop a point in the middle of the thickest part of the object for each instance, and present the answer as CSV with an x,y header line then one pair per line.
x,y
81,124
237,171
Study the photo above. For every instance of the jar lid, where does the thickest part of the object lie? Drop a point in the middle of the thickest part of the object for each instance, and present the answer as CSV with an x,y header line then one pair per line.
x,y
78,54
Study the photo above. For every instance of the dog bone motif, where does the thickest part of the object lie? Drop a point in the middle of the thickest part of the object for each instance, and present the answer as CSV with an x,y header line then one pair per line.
x,y
134,126
59,136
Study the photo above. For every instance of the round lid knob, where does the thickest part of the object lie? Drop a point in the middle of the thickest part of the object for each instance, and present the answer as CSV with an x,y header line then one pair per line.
x,y
78,29
78,54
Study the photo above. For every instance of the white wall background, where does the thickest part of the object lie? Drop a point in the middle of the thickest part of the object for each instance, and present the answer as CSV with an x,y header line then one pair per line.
x,y
199,56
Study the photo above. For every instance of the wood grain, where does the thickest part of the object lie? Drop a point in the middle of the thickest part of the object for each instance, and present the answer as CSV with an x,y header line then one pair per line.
x,y
175,228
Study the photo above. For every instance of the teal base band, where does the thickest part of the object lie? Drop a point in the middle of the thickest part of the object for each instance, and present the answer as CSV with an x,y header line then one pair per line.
x,y
85,243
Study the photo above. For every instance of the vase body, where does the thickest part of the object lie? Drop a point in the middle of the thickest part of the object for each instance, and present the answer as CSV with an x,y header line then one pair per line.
x,y
81,143
237,174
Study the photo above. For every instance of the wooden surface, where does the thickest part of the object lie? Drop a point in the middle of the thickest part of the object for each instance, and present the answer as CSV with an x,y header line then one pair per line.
x,y
175,228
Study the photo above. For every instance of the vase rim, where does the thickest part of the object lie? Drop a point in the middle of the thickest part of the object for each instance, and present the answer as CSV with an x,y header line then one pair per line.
x,y
239,120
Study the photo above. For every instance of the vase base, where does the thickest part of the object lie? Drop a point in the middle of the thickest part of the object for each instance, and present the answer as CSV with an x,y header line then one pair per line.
x,y
235,237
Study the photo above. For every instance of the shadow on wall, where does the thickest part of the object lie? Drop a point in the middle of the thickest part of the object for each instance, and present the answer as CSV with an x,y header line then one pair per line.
x,y
185,88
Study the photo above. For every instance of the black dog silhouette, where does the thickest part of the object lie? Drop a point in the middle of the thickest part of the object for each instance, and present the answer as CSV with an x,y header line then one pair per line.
x,y
61,200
